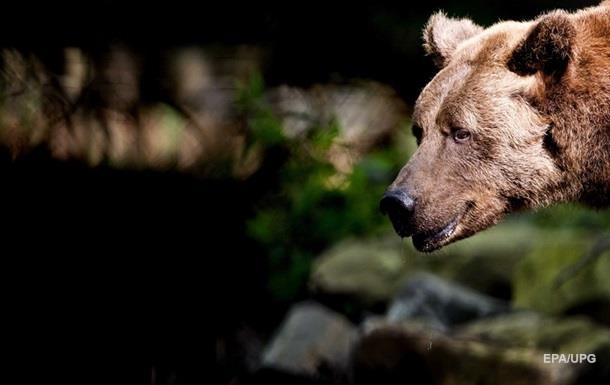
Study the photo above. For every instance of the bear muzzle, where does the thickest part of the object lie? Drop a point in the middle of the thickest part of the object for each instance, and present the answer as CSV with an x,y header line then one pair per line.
x,y
427,236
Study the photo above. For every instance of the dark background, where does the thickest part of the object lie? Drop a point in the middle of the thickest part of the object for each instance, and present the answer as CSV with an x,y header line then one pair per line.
x,y
310,42
106,271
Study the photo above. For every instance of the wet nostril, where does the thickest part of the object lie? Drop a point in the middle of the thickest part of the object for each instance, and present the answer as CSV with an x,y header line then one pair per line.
x,y
396,201
398,205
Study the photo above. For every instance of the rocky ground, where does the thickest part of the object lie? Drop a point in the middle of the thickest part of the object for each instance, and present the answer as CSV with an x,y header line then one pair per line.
x,y
484,311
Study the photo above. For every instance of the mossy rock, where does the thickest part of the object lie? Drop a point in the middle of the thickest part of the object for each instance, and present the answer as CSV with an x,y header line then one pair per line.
x,y
536,283
531,330
368,270
511,261
406,353
484,262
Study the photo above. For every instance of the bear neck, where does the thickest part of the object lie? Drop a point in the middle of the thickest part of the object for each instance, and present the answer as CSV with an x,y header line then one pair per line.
x,y
578,107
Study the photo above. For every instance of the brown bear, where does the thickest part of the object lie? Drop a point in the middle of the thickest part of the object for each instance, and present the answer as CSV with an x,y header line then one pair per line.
x,y
517,117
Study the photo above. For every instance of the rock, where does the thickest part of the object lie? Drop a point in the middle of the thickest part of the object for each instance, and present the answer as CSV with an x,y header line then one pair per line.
x,y
391,353
485,262
371,270
572,335
440,303
493,263
436,332
389,356
312,342
507,349
533,330
365,271
541,282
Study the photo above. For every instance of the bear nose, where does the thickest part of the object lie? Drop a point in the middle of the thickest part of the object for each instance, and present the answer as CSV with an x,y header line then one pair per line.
x,y
398,205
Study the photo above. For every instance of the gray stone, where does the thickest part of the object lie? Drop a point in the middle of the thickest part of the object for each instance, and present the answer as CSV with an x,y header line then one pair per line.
x,y
367,271
442,304
311,337
485,262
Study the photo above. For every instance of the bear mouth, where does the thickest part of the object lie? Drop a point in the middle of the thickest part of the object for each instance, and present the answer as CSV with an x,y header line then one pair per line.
x,y
428,241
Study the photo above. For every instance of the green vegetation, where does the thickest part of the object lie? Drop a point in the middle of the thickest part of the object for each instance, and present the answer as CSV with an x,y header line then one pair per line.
x,y
314,205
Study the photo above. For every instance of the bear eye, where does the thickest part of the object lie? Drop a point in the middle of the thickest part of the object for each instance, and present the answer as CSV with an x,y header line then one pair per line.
x,y
461,135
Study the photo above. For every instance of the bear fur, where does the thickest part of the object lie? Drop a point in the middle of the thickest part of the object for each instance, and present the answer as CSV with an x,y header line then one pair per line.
x,y
518,117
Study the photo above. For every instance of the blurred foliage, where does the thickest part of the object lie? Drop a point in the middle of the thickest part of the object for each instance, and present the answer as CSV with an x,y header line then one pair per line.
x,y
314,205
571,216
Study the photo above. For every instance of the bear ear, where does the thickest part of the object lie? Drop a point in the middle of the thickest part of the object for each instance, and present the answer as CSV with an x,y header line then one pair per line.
x,y
547,48
442,35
